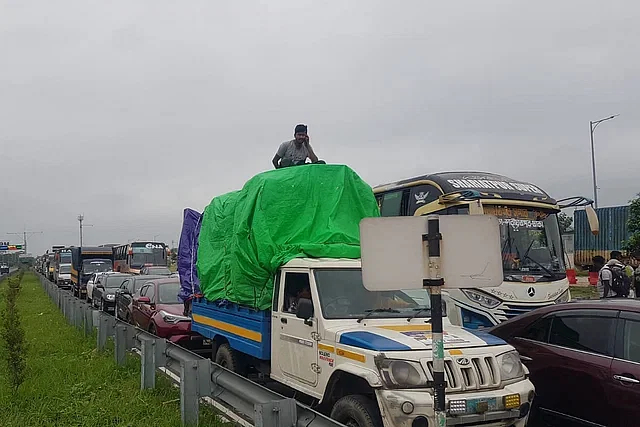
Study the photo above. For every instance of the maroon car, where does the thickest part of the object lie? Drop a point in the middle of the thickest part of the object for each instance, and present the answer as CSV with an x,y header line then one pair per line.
x,y
584,360
157,309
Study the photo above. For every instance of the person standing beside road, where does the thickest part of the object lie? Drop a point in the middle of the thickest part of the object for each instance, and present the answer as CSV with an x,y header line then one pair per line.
x,y
612,279
296,151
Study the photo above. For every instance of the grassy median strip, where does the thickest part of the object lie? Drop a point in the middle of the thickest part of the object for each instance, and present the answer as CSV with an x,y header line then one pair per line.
x,y
69,383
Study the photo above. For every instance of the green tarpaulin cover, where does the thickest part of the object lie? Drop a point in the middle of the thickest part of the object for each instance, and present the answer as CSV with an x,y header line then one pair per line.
x,y
303,211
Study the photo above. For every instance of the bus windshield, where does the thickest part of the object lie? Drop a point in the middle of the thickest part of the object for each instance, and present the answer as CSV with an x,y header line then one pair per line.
x,y
143,255
65,258
531,244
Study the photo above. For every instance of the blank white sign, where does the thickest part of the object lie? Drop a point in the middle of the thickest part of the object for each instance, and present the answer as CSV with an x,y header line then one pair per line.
x,y
392,252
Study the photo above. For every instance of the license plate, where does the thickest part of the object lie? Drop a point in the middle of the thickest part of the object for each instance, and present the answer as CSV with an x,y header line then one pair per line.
x,y
480,406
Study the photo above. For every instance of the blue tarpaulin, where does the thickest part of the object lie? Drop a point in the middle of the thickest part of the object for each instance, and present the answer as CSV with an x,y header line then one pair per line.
x,y
188,253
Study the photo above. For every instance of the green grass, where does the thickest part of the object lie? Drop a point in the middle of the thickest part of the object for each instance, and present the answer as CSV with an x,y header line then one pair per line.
x,y
584,292
70,383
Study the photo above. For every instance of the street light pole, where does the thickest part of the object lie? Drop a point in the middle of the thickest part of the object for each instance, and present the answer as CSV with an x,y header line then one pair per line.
x,y
592,128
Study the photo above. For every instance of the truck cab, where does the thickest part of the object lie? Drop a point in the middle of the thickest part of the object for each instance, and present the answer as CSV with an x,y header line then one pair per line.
x,y
63,276
364,357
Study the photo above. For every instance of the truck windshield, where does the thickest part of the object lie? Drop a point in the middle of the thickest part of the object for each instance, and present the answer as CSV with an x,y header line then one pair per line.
x,y
343,296
96,266
65,269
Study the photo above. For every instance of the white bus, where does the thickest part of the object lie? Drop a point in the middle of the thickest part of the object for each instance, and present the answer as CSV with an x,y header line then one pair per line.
x,y
533,257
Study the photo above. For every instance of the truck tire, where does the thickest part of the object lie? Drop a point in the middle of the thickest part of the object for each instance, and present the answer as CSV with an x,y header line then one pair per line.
x,y
228,358
356,411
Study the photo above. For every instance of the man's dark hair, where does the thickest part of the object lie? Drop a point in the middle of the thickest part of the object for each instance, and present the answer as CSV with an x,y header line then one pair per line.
x,y
598,260
300,129
615,255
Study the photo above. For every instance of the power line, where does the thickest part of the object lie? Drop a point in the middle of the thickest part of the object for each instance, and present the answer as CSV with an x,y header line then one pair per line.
x,y
24,235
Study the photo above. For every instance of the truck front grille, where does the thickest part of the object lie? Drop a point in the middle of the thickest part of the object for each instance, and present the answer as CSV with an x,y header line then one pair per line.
x,y
467,373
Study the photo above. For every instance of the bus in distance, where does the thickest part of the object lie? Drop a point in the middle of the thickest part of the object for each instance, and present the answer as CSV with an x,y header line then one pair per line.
x,y
130,258
532,252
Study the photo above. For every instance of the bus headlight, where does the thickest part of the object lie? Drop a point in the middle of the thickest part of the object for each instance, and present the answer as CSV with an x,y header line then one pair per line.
x,y
510,366
402,373
481,298
563,298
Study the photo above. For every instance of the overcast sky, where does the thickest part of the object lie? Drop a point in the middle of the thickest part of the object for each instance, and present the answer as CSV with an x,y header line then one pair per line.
x,y
129,111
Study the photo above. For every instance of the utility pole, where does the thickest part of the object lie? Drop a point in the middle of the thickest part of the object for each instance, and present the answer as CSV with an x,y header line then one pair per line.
x,y
80,219
24,235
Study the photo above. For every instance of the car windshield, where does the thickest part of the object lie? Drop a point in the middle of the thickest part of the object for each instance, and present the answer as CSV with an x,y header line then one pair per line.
x,y
96,265
531,244
168,293
148,256
164,271
114,281
343,296
65,269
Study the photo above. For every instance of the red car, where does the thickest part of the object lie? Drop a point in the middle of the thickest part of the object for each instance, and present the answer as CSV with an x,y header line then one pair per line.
x,y
584,360
157,309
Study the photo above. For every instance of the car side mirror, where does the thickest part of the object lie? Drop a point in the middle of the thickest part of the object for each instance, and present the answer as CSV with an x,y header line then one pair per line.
x,y
144,300
99,286
304,310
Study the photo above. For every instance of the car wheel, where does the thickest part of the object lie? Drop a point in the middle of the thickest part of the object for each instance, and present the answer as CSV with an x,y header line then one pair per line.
x,y
153,330
101,304
356,411
229,358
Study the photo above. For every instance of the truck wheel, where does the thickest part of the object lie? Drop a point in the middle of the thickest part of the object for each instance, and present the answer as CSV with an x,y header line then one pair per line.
x,y
228,358
356,411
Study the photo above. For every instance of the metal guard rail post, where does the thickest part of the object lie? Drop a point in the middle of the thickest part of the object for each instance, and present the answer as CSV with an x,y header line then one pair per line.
x,y
199,377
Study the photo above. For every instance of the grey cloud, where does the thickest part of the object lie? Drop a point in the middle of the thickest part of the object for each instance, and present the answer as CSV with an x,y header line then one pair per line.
x,y
130,111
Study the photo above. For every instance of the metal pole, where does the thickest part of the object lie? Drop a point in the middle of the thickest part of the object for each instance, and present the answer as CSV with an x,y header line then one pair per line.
x,y
593,167
434,283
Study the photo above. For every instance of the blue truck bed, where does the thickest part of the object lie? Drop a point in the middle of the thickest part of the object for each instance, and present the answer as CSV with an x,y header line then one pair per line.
x,y
247,330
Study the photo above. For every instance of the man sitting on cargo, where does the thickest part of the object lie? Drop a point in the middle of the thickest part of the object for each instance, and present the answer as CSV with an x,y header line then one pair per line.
x,y
296,151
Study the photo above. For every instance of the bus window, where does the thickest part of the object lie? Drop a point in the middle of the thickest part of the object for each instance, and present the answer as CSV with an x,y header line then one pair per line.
x,y
392,204
422,195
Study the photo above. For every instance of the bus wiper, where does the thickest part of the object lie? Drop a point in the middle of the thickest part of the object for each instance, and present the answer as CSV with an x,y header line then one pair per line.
x,y
548,272
377,310
417,313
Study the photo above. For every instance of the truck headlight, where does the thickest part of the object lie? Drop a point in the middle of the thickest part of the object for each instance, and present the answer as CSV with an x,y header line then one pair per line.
x,y
481,298
172,318
563,298
510,366
402,373
110,297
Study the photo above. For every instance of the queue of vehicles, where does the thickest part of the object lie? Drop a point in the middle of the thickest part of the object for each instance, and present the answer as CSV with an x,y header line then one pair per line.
x,y
365,366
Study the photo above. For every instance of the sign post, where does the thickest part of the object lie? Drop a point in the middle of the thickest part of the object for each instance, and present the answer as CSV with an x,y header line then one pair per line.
x,y
434,253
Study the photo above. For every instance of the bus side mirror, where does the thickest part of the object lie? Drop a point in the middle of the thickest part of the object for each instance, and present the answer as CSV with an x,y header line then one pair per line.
x,y
592,219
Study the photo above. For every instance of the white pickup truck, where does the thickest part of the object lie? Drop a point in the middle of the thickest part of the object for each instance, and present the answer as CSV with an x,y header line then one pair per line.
x,y
365,357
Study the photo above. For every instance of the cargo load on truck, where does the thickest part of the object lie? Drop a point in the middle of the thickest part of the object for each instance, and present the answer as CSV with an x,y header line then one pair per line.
x,y
188,254
305,211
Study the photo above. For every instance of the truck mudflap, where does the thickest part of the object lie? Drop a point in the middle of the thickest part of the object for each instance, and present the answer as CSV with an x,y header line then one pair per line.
x,y
509,406
247,331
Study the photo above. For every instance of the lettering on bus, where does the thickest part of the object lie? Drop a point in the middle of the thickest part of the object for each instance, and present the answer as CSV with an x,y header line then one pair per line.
x,y
515,212
485,184
154,246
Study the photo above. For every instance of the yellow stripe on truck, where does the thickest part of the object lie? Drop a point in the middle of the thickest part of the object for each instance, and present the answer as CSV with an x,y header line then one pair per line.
x,y
350,355
324,347
228,327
